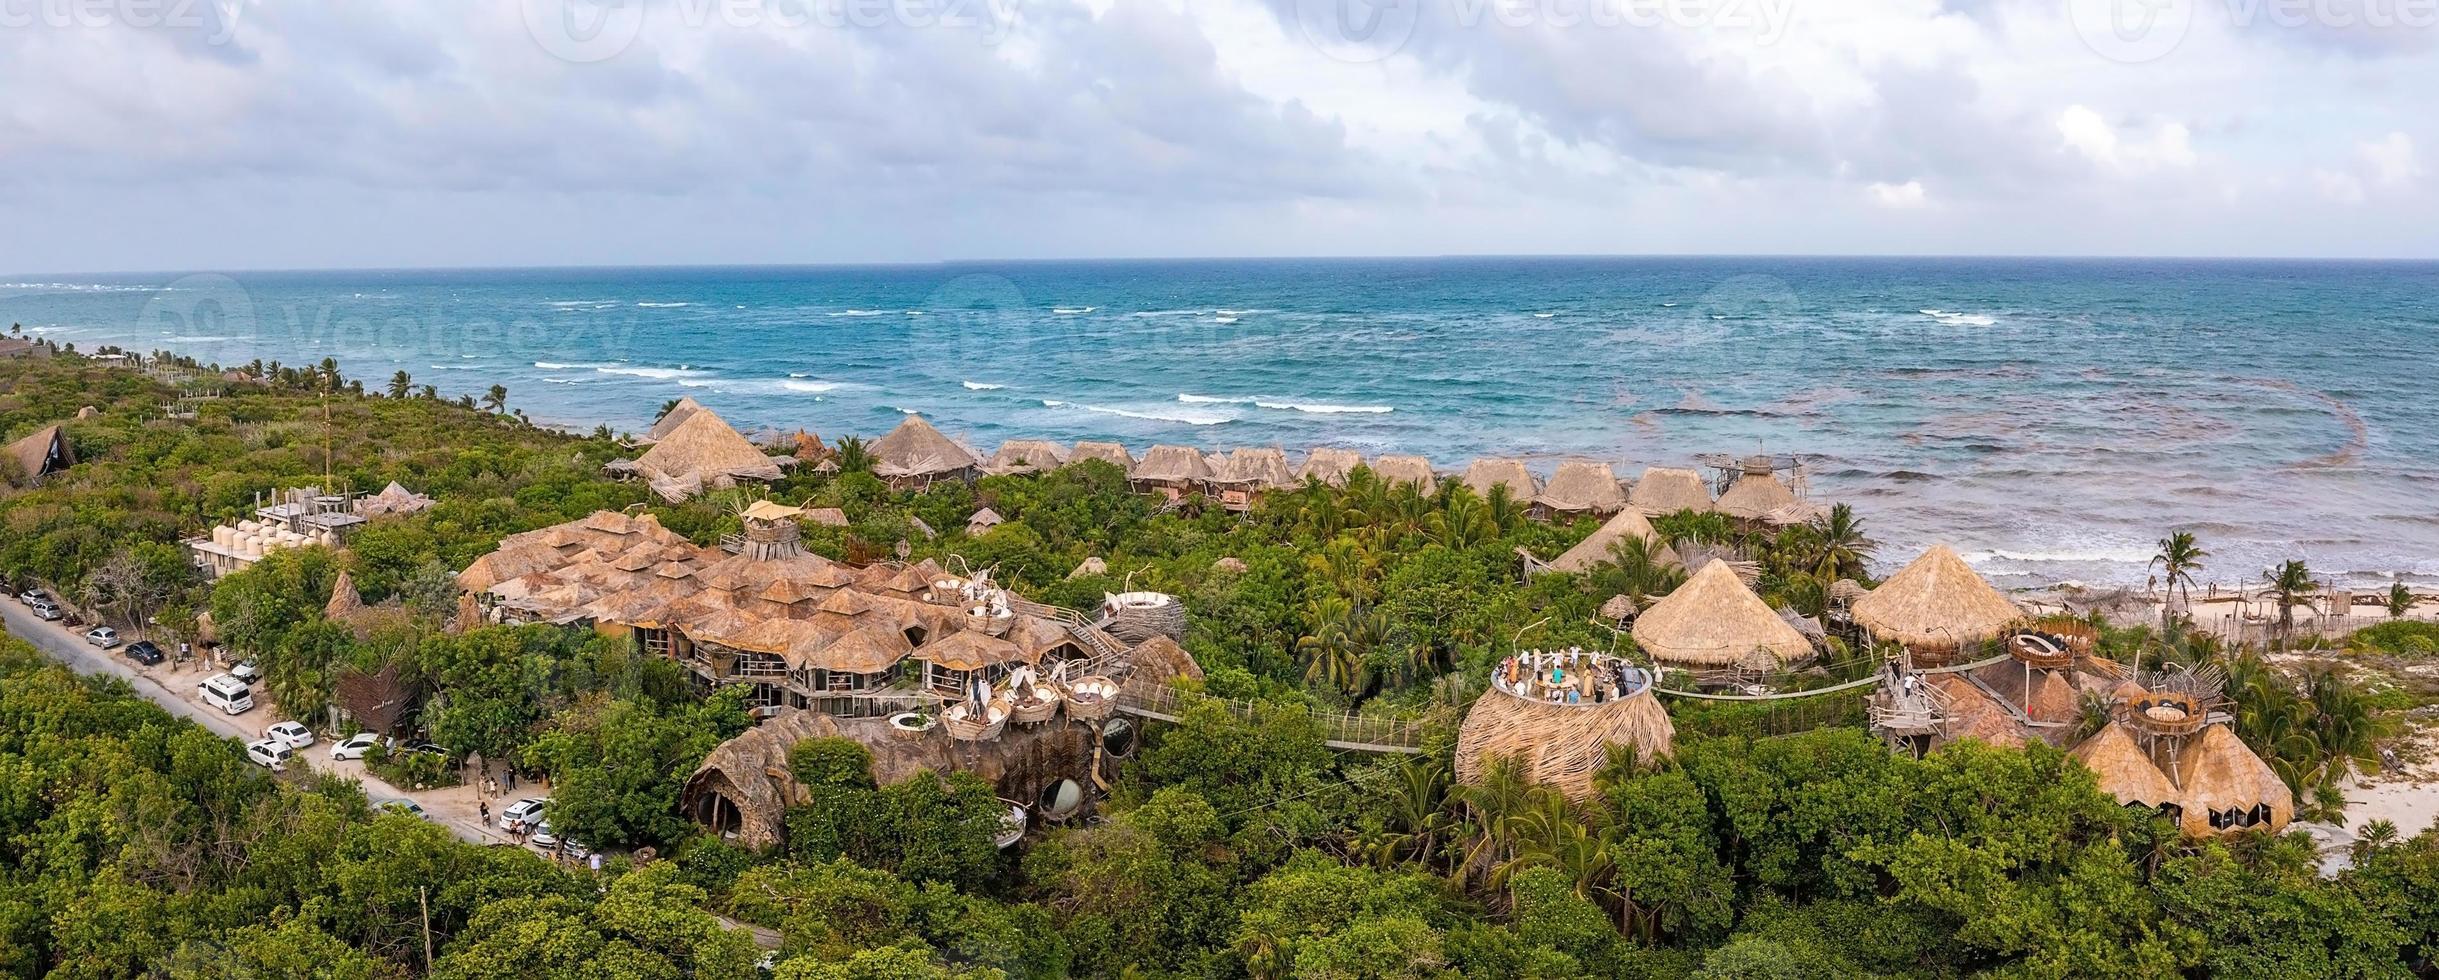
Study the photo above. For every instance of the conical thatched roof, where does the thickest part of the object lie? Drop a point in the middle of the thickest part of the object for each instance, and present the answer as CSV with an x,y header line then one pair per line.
x,y
1026,456
1619,608
1938,603
1107,452
45,451
1972,714
1261,468
1582,486
674,417
1754,495
1596,549
2222,773
705,449
914,448
1483,474
1560,746
2125,771
1161,660
344,600
969,650
1665,490
1330,466
469,614
1172,464
1714,620
984,520
1090,566
1416,470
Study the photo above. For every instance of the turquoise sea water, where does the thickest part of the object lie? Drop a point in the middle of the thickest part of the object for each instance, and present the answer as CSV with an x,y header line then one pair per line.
x,y
2051,418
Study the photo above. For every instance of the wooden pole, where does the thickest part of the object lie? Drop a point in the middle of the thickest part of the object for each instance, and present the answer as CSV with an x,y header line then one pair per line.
x,y
423,901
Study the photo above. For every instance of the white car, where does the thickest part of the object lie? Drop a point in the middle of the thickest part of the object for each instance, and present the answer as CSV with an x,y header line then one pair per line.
x,y
294,735
522,814
400,804
102,636
569,847
247,672
544,839
270,754
354,746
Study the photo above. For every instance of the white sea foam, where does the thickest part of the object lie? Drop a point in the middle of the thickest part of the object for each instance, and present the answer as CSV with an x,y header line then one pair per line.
x,y
857,313
1155,415
570,303
197,339
1954,319
564,366
662,306
914,313
1543,316
565,381
660,373
2123,556
1072,310
1223,319
1212,400
1316,408
1167,313
979,386
1052,403
1241,312
808,387
1668,304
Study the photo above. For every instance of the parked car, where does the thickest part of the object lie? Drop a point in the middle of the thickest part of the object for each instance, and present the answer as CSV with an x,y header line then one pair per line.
x,y
400,804
356,745
543,838
144,652
295,735
522,814
46,610
32,596
426,748
270,753
228,694
247,672
569,847
102,636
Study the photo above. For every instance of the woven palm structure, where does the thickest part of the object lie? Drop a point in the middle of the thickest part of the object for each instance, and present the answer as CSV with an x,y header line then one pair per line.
x,y
1935,605
671,419
1582,487
1483,474
1755,494
1599,548
1394,470
1257,468
1664,490
983,521
1330,466
1107,452
345,601
702,451
2125,771
914,454
2228,788
1176,469
41,454
1714,620
1561,746
1026,456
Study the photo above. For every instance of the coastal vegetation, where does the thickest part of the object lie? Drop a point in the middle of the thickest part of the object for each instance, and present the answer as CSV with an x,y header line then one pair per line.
x,y
1233,844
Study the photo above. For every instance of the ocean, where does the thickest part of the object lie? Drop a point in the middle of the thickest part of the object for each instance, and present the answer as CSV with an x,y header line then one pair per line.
x,y
2050,418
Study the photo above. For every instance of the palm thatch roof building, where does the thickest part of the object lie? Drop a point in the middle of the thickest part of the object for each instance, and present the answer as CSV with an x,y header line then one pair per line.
x,y
1171,471
2125,770
41,454
393,500
702,451
983,521
1582,487
1935,606
1668,490
1482,475
1559,744
915,455
671,419
1756,493
1714,620
1599,547
1330,466
345,602
1249,471
1025,456
2228,788
1107,452
1394,470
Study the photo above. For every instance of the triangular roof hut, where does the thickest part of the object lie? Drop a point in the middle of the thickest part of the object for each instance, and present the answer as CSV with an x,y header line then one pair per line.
x,y
1330,466
1107,452
1561,746
1257,467
705,451
1755,494
983,521
1595,549
2224,778
44,452
1026,456
1177,466
345,602
1090,566
1582,486
1668,490
1713,620
2125,770
1936,604
674,417
1416,470
1483,474
915,452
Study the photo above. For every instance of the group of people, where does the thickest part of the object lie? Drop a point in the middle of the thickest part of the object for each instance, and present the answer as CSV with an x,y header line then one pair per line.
x,y
1572,676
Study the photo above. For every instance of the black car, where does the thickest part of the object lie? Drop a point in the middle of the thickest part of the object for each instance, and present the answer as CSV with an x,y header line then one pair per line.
x,y
144,652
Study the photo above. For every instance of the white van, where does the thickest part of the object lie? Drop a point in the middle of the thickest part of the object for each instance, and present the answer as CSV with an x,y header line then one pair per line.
x,y
228,694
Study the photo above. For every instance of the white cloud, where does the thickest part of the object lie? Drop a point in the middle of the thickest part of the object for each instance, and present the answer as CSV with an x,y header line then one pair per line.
x,y
1905,196
2086,132
2392,160
2342,188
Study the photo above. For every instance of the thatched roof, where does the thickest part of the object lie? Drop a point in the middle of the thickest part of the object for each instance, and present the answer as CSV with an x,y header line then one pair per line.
x,y
1582,486
827,516
674,417
1172,464
1937,603
1107,452
509,563
345,602
2222,773
1796,514
1330,466
751,771
1026,456
969,650
869,650
378,700
1597,548
1618,608
1666,490
914,448
1416,470
45,451
1715,620
1090,566
983,520
1973,714
1262,468
705,449
1557,745
2125,770
1160,660
1754,495
1483,474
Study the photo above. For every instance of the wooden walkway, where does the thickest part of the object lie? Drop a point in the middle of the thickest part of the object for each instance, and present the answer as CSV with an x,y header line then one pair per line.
x,y
1349,733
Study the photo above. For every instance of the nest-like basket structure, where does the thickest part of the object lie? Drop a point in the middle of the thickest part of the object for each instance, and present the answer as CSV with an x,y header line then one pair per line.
x,y
1559,745
1035,705
965,725
1092,698
1139,616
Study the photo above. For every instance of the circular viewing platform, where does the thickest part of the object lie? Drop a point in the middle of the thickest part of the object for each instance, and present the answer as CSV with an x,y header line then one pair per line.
x,y
1570,678
2171,713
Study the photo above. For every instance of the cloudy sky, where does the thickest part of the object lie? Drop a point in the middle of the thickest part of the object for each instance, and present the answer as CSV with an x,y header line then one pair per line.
x,y
236,134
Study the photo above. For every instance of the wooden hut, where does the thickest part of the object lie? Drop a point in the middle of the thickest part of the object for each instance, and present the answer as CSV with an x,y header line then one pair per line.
x,y
2227,788
1667,490
1598,548
1248,472
41,454
1482,475
1935,606
671,419
983,521
914,455
1715,621
1107,452
1562,746
2126,772
1581,487
951,663
377,701
1330,466
702,451
345,602
1394,470
1173,472
1025,456
1756,492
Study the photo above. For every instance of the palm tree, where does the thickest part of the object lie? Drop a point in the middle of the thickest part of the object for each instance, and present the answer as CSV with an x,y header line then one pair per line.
x,y
2377,834
2291,581
496,399
854,456
430,392
1331,644
2179,557
401,383
2400,600
329,372
1839,548
1491,806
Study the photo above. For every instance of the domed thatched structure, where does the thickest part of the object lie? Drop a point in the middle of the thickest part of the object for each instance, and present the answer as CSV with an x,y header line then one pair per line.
x,y
1416,470
1483,474
1597,548
1714,620
1935,606
1559,745
1330,466
674,417
915,455
702,451
2125,770
1754,495
1107,452
1663,490
2228,788
1026,456
1582,487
